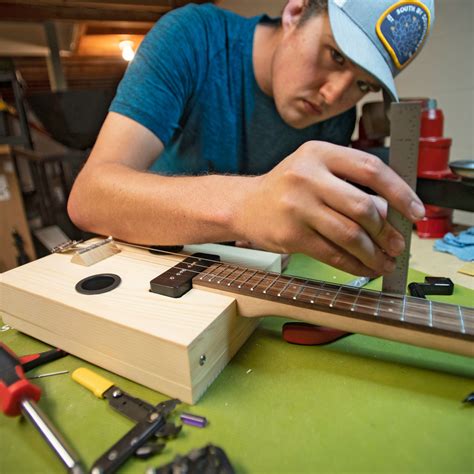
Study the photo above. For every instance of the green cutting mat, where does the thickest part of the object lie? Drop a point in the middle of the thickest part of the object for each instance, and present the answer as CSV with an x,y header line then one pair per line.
x,y
358,405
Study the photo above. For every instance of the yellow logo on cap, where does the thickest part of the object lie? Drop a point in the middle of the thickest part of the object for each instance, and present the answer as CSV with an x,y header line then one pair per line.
x,y
402,29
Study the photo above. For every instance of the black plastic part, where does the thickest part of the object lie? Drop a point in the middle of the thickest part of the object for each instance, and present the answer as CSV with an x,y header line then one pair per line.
x,y
469,399
114,457
97,284
177,281
134,408
432,286
149,449
138,441
453,194
442,285
209,460
416,289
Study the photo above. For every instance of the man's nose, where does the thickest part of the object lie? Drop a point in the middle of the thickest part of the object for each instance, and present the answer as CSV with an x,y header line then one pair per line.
x,y
336,86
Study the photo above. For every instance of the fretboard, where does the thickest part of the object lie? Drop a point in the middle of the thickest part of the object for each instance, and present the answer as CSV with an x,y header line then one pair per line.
x,y
417,313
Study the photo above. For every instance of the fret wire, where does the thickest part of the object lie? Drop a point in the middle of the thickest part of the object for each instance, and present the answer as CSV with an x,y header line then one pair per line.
x,y
376,313
318,293
302,287
286,286
204,274
431,314
413,301
226,277
173,254
331,304
223,269
403,308
355,301
463,329
270,285
259,281
237,277
418,315
248,278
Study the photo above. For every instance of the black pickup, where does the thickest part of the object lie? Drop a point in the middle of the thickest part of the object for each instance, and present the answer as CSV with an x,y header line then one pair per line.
x,y
177,281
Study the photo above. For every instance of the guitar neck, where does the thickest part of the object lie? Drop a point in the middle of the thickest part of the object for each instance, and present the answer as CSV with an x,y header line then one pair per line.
x,y
403,318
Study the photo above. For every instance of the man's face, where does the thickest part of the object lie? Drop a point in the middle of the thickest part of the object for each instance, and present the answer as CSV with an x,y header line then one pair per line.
x,y
311,79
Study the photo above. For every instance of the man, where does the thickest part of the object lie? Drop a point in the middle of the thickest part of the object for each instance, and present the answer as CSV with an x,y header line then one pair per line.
x,y
247,118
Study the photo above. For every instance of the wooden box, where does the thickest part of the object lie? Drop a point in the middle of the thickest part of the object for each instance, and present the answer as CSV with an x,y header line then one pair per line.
x,y
175,346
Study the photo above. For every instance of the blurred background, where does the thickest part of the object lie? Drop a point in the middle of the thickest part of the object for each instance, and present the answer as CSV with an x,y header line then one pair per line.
x,y
61,61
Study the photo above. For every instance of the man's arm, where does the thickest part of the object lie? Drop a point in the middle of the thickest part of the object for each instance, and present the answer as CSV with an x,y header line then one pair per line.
x,y
115,194
303,205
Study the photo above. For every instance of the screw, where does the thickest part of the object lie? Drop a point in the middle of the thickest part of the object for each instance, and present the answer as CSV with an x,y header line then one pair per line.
x,y
117,393
112,455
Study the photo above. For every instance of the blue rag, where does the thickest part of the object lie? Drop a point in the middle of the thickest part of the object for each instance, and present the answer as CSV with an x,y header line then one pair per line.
x,y
461,245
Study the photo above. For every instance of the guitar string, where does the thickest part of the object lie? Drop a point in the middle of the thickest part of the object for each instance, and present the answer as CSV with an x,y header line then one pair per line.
x,y
411,300
447,320
412,303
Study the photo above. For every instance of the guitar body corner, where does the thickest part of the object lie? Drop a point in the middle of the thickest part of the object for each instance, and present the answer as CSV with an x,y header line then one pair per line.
x,y
176,346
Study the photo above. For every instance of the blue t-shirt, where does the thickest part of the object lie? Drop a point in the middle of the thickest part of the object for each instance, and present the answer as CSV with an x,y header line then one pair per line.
x,y
192,84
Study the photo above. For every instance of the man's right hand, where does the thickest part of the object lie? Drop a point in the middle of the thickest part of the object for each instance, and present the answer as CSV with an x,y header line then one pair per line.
x,y
303,205
306,205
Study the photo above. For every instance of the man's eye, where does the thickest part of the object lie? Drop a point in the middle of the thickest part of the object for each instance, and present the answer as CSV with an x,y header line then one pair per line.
x,y
363,86
338,57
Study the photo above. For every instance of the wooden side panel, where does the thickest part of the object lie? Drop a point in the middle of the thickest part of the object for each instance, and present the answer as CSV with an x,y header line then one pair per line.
x,y
217,346
151,339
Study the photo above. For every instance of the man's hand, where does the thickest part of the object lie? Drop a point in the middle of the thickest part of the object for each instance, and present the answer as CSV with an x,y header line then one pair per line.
x,y
306,205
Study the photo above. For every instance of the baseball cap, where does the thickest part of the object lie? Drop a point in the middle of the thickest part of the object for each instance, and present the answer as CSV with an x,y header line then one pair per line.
x,y
381,36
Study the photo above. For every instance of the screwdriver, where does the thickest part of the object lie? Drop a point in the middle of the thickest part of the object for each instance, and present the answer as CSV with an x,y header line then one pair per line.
x,y
18,395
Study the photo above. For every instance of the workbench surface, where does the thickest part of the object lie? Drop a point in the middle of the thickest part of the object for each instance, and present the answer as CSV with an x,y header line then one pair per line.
x,y
360,404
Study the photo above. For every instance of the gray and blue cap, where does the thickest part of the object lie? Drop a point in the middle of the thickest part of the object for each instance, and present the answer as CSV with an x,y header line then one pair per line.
x,y
381,36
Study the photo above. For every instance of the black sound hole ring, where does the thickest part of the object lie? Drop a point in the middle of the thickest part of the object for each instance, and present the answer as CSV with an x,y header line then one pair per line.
x,y
97,284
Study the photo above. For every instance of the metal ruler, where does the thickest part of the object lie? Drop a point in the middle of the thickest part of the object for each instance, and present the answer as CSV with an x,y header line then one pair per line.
x,y
404,142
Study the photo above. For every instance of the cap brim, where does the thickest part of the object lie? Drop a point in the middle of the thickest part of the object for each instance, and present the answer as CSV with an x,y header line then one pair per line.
x,y
357,46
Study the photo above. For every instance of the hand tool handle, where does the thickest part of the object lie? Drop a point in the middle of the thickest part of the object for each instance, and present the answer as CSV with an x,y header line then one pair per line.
x,y
97,384
35,360
52,436
17,395
114,457
14,387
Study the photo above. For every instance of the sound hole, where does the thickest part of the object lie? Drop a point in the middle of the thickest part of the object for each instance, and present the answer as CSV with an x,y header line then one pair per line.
x,y
97,284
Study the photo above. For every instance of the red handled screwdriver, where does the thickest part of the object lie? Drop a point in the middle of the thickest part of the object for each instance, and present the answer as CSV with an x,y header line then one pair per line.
x,y
31,361
18,395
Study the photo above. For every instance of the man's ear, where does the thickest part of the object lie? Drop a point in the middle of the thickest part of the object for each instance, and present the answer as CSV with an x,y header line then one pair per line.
x,y
292,12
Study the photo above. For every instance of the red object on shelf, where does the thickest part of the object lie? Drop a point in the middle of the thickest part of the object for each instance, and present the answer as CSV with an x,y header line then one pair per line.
x,y
433,163
436,211
433,157
432,121
434,227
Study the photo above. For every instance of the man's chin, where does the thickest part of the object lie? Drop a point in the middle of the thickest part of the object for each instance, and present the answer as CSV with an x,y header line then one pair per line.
x,y
299,121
